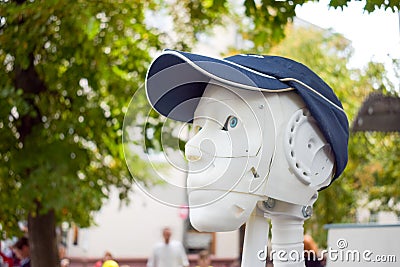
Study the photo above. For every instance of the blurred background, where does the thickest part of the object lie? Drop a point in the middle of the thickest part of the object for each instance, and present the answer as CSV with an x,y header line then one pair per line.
x,y
85,164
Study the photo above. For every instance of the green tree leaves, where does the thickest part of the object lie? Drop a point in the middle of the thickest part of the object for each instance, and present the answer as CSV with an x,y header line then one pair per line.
x,y
68,74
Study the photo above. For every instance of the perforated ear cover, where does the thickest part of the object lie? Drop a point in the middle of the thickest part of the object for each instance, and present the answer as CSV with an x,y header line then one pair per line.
x,y
308,153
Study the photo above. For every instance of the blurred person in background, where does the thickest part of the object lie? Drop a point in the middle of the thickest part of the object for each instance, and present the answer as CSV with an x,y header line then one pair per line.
x,y
64,263
169,253
311,252
8,262
204,259
22,251
62,255
107,256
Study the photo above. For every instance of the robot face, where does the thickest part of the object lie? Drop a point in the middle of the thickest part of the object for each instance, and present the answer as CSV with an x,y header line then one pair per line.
x,y
222,157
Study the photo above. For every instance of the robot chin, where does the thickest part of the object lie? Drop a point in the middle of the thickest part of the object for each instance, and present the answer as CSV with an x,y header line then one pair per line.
x,y
217,211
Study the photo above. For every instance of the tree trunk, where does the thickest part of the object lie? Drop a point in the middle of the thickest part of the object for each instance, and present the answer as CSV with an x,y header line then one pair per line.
x,y
43,240
41,227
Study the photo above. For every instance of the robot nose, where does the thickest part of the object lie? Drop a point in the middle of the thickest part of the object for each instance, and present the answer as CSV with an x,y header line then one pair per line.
x,y
192,153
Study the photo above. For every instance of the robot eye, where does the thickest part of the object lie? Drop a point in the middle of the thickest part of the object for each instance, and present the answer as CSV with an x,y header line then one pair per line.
x,y
233,121
230,123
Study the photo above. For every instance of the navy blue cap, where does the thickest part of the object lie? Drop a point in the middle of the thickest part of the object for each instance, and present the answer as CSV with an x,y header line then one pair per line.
x,y
176,81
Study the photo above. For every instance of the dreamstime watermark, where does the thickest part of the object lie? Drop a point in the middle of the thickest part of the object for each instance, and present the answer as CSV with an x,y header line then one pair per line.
x,y
339,254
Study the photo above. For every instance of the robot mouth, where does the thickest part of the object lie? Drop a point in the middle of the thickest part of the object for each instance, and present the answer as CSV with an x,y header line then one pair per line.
x,y
197,154
238,210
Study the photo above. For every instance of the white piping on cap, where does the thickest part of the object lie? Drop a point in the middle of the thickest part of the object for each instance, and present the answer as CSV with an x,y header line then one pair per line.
x,y
249,87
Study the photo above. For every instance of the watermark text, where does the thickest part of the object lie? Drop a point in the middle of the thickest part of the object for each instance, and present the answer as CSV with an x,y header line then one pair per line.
x,y
339,254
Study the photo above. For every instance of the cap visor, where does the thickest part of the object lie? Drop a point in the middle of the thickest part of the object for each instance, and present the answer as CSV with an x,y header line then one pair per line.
x,y
176,81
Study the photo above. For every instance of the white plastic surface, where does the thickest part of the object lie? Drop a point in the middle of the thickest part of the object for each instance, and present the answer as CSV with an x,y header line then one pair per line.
x,y
284,175
255,240
247,147
224,157
308,154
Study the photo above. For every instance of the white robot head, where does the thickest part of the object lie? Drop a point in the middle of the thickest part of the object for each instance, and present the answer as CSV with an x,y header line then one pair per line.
x,y
255,135
223,157
250,146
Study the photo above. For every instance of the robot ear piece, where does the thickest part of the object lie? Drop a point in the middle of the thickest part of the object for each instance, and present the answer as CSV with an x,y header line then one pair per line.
x,y
309,155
